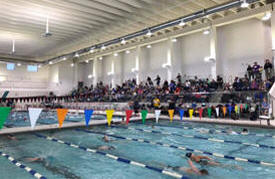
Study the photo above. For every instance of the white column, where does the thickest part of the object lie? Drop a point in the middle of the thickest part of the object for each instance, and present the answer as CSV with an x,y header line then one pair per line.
x,y
169,57
137,58
95,67
213,51
273,36
75,72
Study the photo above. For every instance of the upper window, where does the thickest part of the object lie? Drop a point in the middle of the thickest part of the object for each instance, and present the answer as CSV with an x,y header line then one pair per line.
x,y
10,66
32,68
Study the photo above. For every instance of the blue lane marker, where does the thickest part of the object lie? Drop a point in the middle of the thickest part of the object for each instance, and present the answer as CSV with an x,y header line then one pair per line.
x,y
218,131
28,169
119,159
199,137
183,148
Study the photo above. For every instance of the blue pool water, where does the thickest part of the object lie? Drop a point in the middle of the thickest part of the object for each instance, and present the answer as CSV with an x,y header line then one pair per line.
x,y
63,161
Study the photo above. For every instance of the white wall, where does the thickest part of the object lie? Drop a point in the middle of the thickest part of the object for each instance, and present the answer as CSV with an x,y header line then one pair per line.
x,y
20,82
240,44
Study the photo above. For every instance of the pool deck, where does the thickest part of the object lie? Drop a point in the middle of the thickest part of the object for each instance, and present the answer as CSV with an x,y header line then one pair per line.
x,y
150,116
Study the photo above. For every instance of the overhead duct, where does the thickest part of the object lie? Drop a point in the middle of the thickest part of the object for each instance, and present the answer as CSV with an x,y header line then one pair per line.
x,y
156,28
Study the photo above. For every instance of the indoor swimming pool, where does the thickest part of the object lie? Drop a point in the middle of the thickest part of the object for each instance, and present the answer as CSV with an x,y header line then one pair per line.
x,y
140,151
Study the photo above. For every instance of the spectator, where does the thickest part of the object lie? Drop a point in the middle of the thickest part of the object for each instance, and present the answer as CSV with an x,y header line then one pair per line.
x,y
268,69
250,72
157,80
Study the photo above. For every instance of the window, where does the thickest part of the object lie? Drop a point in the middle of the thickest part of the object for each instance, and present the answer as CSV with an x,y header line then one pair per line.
x,y
32,68
10,66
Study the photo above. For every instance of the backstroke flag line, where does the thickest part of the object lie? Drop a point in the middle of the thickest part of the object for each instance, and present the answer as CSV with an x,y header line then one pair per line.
x,y
157,114
144,115
109,114
181,113
4,113
171,114
34,114
61,116
128,115
88,114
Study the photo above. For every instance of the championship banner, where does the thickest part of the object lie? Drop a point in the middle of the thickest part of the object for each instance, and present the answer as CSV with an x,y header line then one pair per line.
x,y
181,113
128,115
88,114
34,114
109,114
224,111
171,114
217,111
191,111
61,116
4,113
157,114
209,111
143,115
200,112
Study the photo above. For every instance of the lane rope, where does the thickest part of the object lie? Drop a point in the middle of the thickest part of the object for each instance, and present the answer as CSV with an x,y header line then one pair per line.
x,y
24,167
215,130
198,137
119,159
181,148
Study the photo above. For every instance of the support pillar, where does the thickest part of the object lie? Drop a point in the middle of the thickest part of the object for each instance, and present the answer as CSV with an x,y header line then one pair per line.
x,y
213,52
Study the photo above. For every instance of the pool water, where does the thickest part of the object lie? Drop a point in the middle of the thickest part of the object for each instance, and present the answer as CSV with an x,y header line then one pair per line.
x,y
63,161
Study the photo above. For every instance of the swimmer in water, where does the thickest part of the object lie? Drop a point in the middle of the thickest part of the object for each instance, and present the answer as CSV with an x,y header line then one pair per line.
x,y
202,160
11,137
106,138
192,170
229,131
46,163
105,147
245,131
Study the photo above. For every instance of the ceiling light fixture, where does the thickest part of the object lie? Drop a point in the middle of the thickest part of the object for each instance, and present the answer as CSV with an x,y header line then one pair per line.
x,y
19,64
50,62
76,55
267,16
244,4
149,46
206,32
100,58
182,23
174,40
47,33
127,51
103,47
149,33
92,50
87,61
115,54
90,76
72,64
13,46
123,41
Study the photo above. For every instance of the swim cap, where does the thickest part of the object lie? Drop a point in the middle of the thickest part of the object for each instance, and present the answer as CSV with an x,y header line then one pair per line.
x,y
188,154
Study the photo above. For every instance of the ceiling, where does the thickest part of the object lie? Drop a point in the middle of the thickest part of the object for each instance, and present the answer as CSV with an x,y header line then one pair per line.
x,y
76,24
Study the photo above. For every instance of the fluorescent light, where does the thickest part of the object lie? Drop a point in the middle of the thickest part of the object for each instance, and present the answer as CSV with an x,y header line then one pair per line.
x,y
115,54
50,62
19,64
100,58
90,76
174,40
127,51
206,32
149,33
103,47
182,23
267,16
149,46
72,64
123,41
244,4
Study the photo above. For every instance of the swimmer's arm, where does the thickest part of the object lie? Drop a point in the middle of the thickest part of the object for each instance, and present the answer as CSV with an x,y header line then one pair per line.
x,y
193,167
205,157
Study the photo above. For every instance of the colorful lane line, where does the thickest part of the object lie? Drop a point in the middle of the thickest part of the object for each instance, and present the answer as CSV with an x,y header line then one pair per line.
x,y
214,130
24,167
119,159
198,137
181,148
